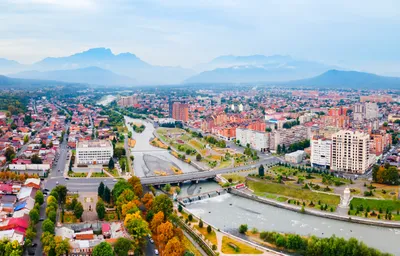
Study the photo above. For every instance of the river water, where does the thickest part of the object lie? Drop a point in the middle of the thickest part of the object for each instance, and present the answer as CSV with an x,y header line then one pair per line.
x,y
150,159
228,211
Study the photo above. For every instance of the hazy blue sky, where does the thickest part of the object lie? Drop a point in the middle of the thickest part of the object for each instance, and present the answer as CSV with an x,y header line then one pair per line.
x,y
357,34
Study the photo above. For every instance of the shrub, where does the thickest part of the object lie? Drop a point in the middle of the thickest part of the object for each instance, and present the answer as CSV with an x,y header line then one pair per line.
x,y
243,228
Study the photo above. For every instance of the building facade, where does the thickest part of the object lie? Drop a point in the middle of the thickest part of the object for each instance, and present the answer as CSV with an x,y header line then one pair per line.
x,y
94,152
320,152
350,152
180,111
257,140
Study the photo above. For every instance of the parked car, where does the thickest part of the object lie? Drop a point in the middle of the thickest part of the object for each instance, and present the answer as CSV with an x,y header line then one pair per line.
x,y
155,251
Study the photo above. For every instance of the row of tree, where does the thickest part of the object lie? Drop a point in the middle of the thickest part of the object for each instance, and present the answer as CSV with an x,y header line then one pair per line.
x,y
52,244
385,174
314,246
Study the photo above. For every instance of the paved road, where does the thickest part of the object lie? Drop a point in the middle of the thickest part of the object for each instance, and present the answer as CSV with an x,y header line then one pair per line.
x,y
157,180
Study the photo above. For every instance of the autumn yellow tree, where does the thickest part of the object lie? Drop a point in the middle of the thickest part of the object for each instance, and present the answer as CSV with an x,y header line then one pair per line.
x,y
129,207
173,248
137,186
137,227
156,221
165,231
147,200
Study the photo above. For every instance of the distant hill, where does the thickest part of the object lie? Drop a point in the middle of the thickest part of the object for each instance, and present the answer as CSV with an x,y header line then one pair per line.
x,y
256,68
123,64
126,64
18,83
348,79
89,75
10,66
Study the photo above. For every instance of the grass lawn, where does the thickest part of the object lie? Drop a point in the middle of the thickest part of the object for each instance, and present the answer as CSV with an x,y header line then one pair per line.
x,y
234,177
293,192
190,247
225,164
78,174
375,204
195,143
212,237
98,175
242,248
185,216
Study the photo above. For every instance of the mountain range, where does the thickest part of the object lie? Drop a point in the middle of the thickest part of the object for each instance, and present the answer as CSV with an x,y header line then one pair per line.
x,y
123,66
89,75
348,79
100,66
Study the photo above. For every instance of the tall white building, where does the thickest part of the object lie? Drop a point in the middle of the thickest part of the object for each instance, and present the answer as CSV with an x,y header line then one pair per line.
x,y
257,140
371,110
94,152
350,151
320,152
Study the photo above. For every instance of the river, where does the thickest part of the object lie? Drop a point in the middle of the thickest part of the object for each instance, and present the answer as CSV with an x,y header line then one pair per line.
x,y
228,211
107,99
149,159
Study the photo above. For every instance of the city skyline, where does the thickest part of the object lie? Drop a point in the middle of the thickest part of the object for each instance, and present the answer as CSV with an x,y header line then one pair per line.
x,y
357,35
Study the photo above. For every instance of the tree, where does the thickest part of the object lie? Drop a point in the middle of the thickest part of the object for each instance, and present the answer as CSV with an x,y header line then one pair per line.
x,y
261,170
36,159
9,154
39,198
156,221
100,209
48,226
100,190
174,247
165,232
26,139
78,210
129,208
136,185
119,187
163,203
103,249
34,215
137,227
48,243
107,195
111,164
201,224
52,215
122,246
147,200
198,157
209,229
278,150
62,246
243,228
62,193
167,187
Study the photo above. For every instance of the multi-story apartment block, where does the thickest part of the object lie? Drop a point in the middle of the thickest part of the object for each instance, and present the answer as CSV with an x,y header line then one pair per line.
x,y
320,152
288,136
128,101
350,151
371,110
180,111
257,140
94,152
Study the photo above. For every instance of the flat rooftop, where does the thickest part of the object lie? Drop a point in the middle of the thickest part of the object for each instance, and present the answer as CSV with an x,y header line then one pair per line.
x,y
94,144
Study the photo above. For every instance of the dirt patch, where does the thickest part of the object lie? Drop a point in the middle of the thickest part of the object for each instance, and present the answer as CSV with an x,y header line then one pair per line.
x,y
158,166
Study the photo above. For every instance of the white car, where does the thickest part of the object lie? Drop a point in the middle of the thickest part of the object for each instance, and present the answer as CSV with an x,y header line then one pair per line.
x,y
155,251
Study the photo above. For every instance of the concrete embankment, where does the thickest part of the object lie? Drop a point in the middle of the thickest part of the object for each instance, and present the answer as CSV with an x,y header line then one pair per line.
x,y
333,216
